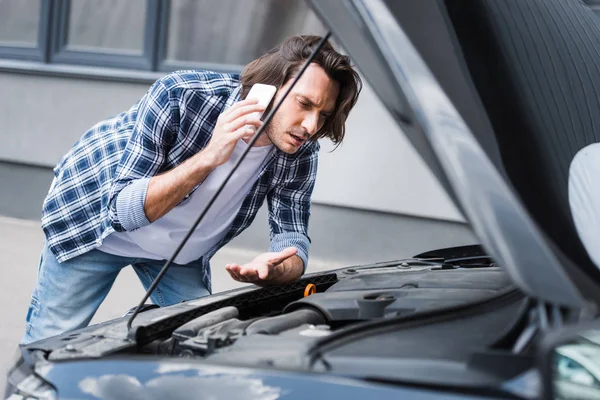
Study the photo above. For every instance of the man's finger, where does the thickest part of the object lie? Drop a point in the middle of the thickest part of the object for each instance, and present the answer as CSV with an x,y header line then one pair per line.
x,y
240,104
284,255
234,271
243,132
229,270
233,267
234,276
244,111
263,272
249,273
251,120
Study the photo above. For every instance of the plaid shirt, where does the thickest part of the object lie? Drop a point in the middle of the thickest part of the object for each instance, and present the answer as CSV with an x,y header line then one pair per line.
x,y
100,184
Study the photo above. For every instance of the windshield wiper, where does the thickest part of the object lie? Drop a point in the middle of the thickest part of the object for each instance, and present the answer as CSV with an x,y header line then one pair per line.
x,y
257,134
476,261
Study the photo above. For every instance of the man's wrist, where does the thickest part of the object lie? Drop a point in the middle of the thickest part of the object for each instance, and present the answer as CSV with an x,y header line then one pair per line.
x,y
205,161
289,270
298,240
195,170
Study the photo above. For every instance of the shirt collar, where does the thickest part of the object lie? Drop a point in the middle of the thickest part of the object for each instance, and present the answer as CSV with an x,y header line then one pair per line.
x,y
234,97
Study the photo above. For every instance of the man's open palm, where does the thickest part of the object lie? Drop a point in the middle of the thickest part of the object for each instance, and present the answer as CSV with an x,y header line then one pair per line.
x,y
261,268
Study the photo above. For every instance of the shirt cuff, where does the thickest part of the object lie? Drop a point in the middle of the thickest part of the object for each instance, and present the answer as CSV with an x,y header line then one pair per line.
x,y
130,205
292,239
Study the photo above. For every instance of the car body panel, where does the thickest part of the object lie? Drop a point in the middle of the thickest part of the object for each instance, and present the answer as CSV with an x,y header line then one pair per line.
x,y
181,379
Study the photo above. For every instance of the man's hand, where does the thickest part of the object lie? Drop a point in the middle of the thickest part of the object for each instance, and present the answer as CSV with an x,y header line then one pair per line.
x,y
166,190
269,268
237,122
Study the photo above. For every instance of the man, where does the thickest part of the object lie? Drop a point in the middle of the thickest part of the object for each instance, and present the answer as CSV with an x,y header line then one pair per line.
x,y
130,188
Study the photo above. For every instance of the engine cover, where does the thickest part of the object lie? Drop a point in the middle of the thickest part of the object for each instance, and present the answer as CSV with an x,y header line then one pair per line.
x,y
374,294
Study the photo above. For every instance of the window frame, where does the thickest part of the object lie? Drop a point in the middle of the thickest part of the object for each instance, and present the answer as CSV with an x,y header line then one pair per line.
x,y
38,52
52,57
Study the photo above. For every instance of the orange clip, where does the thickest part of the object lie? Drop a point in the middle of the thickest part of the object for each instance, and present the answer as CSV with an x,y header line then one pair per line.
x,y
310,289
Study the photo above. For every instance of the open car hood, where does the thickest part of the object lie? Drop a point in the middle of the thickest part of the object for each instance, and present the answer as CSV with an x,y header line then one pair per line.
x,y
372,35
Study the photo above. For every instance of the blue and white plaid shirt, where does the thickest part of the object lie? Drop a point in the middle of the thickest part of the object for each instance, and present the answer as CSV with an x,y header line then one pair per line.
x,y
101,183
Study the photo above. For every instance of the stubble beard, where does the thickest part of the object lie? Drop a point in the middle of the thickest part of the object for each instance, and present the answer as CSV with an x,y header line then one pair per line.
x,y
275,134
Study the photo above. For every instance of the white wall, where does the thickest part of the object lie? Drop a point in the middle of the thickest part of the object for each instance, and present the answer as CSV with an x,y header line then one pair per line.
x,y
375,168
42,117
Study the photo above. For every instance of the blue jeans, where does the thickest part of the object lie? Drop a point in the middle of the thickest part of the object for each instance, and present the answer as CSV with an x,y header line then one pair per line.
x,y
68,294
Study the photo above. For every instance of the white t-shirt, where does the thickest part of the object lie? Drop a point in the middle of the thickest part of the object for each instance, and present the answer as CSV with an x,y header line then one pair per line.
x,y
159,240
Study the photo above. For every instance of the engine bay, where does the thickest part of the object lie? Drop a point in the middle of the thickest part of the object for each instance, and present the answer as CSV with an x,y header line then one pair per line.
x,y
278,333
438,314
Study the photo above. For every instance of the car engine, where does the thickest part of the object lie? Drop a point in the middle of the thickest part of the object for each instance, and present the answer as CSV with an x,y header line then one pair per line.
x,y
277,331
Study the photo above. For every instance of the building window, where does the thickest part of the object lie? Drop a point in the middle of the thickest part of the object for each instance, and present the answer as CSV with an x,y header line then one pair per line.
x,y
23,26
107,33
233,32
107,26
19,23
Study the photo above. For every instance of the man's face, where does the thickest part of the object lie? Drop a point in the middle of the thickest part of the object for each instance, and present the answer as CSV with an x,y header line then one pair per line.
x,y
304,110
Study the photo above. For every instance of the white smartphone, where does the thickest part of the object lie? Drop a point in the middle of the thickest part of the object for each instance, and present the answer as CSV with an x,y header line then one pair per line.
x,y
264,94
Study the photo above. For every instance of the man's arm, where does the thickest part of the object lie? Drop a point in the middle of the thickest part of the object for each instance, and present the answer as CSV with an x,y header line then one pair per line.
x,y
290,201
139,195
144,156
289,210
165,191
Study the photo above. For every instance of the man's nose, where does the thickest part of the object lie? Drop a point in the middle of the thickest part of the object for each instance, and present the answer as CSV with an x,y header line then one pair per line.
x,y
310,124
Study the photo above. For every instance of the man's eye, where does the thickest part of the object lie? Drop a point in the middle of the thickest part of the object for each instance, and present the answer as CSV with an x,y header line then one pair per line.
x,y
303,104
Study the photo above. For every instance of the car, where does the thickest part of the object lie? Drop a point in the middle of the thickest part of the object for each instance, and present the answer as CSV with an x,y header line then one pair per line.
x,y
499,97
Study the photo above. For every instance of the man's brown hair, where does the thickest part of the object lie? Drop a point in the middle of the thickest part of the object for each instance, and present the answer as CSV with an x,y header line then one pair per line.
x,y
282,63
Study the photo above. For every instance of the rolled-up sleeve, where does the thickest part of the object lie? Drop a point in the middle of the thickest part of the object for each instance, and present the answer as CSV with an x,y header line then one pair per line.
x,y
290,201
284,240
130,204
143,157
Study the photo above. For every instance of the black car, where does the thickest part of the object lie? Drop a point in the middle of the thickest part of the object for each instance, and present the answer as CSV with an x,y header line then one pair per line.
x,y
501,98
